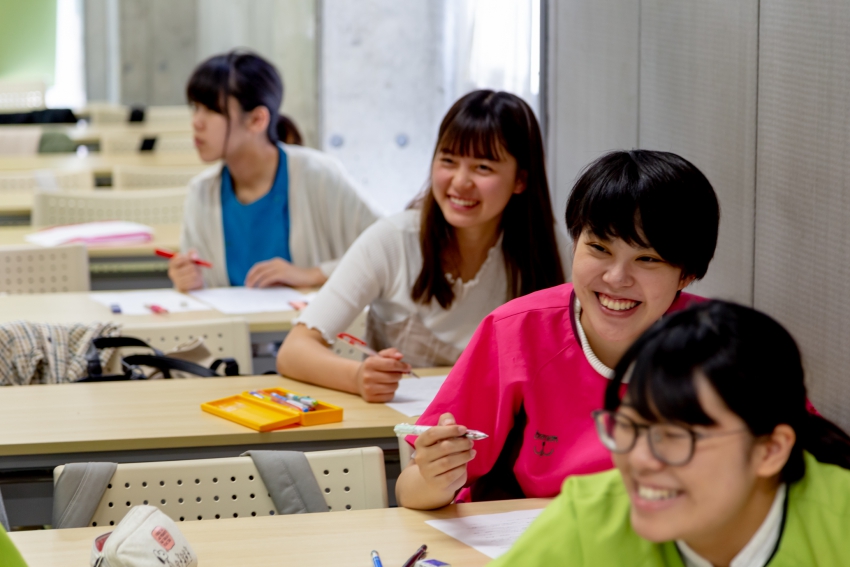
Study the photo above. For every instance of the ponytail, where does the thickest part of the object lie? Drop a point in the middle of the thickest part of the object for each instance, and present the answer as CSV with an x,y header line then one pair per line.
x,y
827,443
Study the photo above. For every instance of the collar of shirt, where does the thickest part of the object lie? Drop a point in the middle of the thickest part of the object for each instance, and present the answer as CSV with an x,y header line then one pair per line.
x,y
758,550
594,361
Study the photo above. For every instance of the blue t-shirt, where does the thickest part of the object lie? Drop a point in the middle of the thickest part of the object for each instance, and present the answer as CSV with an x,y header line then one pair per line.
x,y
256,232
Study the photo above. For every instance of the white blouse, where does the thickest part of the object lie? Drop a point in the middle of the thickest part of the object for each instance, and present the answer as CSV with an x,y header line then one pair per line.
x,y
380,269
759,549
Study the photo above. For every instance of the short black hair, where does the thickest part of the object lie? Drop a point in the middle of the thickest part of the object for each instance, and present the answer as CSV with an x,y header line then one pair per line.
x,y
652,199
245,76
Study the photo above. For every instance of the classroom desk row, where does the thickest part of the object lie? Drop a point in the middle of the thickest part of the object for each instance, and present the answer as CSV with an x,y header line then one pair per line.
x,y
79,307
44,426
127,266
337,538
99,163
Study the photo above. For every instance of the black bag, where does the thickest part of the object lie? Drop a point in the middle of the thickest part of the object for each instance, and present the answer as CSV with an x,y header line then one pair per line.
x,y
131,364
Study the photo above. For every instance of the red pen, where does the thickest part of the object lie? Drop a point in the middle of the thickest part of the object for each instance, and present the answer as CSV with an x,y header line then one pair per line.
x,y
362,346
170,254
158,309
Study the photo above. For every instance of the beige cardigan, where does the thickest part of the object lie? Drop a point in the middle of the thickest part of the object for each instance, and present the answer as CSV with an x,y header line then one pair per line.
x,y
326,214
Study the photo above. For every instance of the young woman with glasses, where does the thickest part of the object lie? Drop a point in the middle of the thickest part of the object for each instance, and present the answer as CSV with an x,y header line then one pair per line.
x,y
644,226
719,460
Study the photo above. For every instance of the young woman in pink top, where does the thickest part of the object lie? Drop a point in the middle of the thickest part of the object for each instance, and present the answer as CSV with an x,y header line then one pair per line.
x,y
644,226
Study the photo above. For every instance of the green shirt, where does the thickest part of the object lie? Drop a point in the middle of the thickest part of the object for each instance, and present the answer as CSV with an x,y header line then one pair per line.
x,y
588,524
9,556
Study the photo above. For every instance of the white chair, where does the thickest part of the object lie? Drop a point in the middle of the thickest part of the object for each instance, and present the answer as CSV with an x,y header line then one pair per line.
x,y
209,489
149,206
35,269
29,180
19,140
21,96
142,177
130,142
225,337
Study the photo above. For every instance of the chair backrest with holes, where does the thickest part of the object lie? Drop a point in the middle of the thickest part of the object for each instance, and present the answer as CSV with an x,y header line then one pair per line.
x,y
35,269
150,206
21,96
141,177
208,489
225,337
31,180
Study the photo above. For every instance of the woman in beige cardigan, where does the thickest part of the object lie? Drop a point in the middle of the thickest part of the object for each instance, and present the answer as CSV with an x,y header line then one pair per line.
x,y
271,213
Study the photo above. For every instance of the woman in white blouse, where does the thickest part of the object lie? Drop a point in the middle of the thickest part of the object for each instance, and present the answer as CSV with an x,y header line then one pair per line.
x,y
481,235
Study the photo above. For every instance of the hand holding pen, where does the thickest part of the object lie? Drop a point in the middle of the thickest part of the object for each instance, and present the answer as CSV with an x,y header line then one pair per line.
x,y
378,375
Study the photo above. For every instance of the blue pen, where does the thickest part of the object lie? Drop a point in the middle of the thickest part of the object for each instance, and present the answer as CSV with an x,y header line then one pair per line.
x,y
376,559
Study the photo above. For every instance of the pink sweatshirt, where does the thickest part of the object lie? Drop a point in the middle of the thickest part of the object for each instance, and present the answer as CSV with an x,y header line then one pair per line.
x,y
527,354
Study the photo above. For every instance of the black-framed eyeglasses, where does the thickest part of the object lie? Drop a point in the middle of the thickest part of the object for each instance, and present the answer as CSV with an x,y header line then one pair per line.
x,y
670,443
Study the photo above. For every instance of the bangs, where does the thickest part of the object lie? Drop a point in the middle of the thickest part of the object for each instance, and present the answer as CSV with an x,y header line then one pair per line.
x,y
611,213
663,368
207,84
474,136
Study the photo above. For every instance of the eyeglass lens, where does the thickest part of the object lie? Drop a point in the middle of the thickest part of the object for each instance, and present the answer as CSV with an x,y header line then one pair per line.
x,y
670,444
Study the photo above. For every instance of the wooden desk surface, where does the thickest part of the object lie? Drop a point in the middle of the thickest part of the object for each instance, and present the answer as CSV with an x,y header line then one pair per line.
x,y
162,414
78,307
165,236
336,538
97,162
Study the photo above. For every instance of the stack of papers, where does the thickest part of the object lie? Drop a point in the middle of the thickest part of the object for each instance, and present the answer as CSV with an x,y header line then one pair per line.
x,y
415,395
93,234
243,300
137,302
491,534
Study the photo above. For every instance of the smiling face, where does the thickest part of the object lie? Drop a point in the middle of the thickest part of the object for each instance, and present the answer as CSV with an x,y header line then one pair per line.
x,y
705,500
472,192
623,289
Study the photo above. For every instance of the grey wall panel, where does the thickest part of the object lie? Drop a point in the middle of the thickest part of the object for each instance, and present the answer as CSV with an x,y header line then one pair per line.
x,y
698,88
158,47
802,267
592,96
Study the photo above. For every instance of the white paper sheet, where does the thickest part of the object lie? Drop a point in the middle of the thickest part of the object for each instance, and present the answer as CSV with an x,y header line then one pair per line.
x,y
101,233
414,395
491,534
134,302
241,300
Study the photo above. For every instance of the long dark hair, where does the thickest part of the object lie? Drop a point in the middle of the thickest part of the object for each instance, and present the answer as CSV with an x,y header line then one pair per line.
x,y
750,360
648,198
245,76
483,124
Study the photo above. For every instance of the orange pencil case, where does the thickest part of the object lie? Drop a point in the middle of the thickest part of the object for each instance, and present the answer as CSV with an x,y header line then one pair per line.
x,y
263,415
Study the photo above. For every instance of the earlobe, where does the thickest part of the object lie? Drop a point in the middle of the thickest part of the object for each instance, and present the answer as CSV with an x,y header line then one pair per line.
x,y
685,281
776,450
519,185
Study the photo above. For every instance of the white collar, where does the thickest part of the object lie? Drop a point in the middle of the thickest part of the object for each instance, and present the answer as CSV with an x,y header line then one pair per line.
x,y
585,346
758,550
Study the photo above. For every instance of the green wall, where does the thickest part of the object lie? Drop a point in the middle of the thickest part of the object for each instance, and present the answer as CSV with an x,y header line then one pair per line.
x,y
27,39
